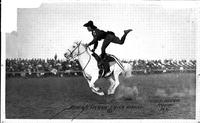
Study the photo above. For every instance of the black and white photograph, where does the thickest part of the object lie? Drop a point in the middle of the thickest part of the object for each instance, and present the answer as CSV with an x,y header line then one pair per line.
x,y
100,60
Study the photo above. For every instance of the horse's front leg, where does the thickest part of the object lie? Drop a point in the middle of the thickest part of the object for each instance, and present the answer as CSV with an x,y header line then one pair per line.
x,y
93,88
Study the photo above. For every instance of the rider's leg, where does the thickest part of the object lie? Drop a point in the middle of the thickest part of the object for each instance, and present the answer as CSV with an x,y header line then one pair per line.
x,y
103,54
99,64
125,34
96,57
105,44
116,40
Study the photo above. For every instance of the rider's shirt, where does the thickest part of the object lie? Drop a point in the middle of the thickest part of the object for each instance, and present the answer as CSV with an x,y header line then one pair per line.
x,y
99,34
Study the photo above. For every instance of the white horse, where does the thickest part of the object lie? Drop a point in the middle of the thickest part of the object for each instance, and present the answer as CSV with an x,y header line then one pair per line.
x,y
91,71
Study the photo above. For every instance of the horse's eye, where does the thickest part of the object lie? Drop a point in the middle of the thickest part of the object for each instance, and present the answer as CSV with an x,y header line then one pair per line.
x,y
73,46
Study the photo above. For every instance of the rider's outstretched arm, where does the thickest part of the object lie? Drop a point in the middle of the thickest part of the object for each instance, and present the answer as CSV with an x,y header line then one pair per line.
x,y
95,45
95,42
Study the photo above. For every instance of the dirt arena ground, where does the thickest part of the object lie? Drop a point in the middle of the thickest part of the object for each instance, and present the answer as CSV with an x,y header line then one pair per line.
x,y
161,96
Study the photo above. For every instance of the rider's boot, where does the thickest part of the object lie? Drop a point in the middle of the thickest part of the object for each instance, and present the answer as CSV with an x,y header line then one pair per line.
x,y
127,31
101,69
106,68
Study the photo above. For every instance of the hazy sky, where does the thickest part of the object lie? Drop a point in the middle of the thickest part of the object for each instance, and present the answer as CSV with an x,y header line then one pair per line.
x,y
158,32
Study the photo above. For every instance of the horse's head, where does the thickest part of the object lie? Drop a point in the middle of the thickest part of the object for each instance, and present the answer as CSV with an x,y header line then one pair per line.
x,y
75,50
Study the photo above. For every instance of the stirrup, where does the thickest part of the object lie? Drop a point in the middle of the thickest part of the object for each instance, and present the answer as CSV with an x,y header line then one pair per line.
x,y
105,73
101,72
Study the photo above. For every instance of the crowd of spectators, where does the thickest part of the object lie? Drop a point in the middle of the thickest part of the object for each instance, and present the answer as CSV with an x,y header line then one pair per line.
x,y
167,65
42,67
39,67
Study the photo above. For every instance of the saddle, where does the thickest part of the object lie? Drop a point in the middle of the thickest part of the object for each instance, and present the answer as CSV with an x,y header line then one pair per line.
x,y
104,64
108,58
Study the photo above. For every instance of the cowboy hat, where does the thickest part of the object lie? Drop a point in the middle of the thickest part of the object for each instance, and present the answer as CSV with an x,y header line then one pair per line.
x,y
90,24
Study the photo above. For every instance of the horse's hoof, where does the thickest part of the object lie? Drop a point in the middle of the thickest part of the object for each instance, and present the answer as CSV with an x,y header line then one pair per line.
x,y
110,99
101,94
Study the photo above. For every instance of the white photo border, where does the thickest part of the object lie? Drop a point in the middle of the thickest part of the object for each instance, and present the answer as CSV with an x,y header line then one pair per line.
x,y
7,27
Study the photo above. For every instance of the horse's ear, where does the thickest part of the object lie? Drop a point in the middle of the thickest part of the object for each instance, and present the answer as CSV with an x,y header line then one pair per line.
x,y
76,42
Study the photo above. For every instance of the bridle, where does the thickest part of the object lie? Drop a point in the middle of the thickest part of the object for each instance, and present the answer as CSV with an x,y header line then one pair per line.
x,y
71,52
78,54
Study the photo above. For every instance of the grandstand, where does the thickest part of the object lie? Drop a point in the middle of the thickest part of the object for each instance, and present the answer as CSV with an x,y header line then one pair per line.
x,y
52,67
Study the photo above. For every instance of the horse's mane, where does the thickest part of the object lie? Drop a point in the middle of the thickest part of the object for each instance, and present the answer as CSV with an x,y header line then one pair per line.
x,y
76,42
80,43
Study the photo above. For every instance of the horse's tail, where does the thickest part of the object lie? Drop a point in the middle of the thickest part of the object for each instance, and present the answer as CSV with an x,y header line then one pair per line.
x,y
127,70
126,67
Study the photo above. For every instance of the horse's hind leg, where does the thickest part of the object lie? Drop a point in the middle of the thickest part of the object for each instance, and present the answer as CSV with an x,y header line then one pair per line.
x,y
116,74
112,84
